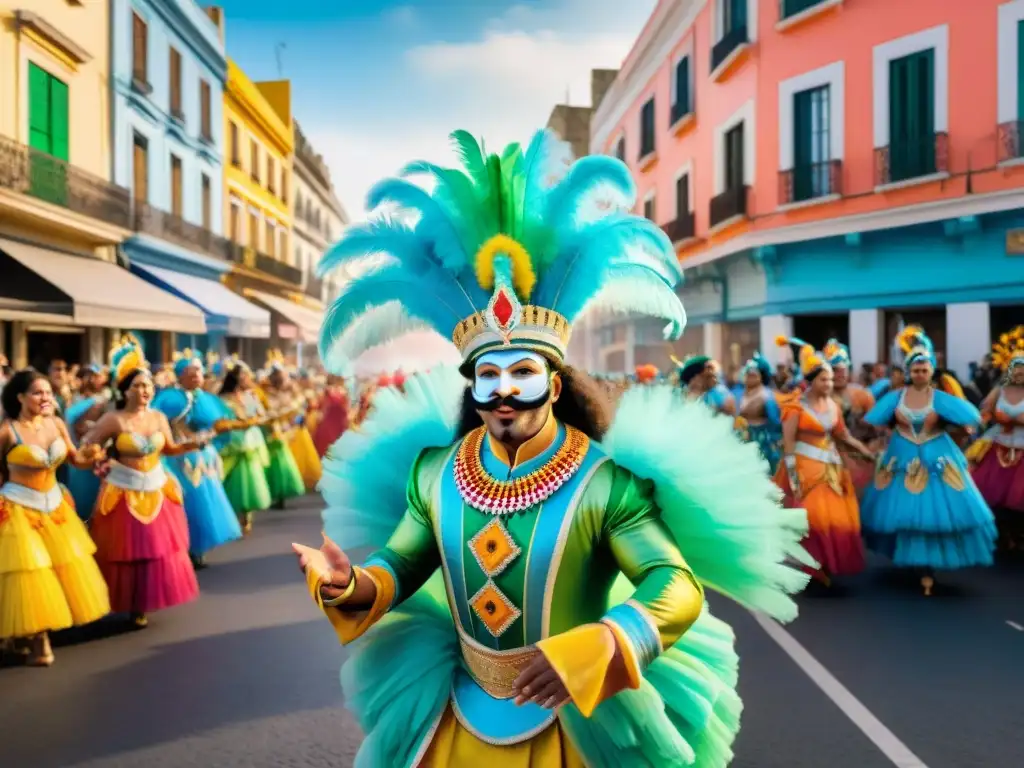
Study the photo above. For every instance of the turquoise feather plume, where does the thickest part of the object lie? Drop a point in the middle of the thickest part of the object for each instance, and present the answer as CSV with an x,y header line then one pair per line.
x,y
568,217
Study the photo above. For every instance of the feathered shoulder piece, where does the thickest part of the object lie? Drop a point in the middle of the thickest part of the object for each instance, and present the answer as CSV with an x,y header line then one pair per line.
x,y
510,249
1008,350
915,345
125,357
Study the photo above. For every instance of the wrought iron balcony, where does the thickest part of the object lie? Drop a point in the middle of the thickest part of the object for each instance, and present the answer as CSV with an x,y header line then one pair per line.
x,y
253,259
1008,143
731,203
681,228
810,181
789,8
44,177
174,229
906,159
730,41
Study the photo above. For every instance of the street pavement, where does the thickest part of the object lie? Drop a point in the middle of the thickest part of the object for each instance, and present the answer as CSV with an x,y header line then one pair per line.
x,y
248,676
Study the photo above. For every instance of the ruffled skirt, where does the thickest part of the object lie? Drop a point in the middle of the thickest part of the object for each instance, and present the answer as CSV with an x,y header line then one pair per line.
x,y
142,548
211,518
48,577
300,443
283,477
245,482
999,474
924,510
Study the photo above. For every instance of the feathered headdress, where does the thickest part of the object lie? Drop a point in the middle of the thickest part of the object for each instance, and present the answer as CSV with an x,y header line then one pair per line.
x,y
187,359
508,251
837,354
808,359
1008,350
915,346
125,357
691,366
275,360
759,364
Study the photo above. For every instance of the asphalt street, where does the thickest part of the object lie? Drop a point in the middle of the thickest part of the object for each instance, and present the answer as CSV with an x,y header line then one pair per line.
x,y
248,676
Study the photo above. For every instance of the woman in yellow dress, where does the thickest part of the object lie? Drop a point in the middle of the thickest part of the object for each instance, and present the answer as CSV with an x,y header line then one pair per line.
x,y
49,579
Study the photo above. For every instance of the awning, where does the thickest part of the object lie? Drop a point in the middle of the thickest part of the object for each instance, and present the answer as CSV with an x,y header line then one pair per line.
x,y
226,311
306,321
100,294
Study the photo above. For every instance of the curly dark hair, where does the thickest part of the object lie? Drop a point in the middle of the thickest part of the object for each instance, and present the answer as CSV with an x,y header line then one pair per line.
x,y
18,385
583,404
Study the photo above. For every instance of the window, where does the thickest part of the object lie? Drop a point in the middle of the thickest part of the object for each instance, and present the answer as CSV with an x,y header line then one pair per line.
x,y
683,196
298,202
733,16
681,105
254,231
812,143
647,128
271,174
140,168
912,115
649,210
620,149
205,127
235,223
47,113
140,36
175,70
734,158
284,185
282,246
270,240
254,161
176,192
207,202
236,156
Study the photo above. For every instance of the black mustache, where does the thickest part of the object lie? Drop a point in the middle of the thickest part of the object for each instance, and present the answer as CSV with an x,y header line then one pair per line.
x,y
513,403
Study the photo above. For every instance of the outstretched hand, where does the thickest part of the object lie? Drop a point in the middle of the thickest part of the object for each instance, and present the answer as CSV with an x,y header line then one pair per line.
x,y
329,562
540,683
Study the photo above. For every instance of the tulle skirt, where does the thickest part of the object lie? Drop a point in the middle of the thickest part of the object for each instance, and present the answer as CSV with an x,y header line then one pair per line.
x,y
211,518
999,474
924,510
245,482
283,477
48,577
300,443
143,548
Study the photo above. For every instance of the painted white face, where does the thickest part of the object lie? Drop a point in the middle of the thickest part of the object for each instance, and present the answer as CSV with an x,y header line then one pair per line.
x,y
512,373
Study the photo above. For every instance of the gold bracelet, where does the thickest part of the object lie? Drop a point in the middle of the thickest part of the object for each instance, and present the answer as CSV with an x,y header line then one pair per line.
x,y
344,596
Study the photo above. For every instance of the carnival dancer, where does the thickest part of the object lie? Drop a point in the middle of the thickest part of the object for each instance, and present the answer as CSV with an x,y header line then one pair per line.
x,y
698,376
334,414
510,496
760,419
284,477
854,402
997,457
139,525
194,416
49,579
813,474
244,451
80,417
924,511
285,389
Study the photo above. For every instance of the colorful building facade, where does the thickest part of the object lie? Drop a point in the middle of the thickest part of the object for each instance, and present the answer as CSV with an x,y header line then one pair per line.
x,y
824,169
63,294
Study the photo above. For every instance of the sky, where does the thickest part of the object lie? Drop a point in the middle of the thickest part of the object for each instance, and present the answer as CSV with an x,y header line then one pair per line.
x,y
378,83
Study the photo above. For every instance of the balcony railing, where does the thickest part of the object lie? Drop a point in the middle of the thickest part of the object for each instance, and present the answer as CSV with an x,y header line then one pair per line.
x,y
788,8
731,203
907,159
730,41
167,226
681,228
31,172
314,287
1008,140
810,181
679,110
253,259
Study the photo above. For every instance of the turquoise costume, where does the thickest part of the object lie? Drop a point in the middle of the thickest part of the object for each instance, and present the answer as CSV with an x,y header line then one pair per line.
x,y
577,546
923,509
759,416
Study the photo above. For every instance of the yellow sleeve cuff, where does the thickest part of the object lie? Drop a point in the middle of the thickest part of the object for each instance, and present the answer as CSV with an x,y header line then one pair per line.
x,y
350,625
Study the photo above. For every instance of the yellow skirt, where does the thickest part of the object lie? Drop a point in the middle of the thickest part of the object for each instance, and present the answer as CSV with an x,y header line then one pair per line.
x,y
452,745
300,443
49,579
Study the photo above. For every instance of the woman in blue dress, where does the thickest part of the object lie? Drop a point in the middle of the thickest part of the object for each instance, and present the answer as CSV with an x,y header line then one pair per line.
x,y
759,419
84,484
193,412
923,510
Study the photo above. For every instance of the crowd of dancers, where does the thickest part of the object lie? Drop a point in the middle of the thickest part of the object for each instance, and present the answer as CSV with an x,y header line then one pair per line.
x,y
117,481
906,466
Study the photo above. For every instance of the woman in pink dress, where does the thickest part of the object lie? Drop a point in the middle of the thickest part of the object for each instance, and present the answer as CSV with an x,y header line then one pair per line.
x,y
333,420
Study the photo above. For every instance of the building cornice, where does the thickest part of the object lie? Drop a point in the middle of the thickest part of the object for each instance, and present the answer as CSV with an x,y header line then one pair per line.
x,y
196,29
65,49
669,23
254,107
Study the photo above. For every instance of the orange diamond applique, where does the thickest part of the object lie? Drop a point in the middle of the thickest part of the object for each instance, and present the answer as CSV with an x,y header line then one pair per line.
x,y
494,609
494,548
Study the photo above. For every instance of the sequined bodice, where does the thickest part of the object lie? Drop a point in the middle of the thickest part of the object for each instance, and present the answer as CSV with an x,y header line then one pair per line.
x,y
134,445
31,457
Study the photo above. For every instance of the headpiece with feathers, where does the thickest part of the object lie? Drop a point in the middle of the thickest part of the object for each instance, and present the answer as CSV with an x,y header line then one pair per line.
x,y
807,358
836,353
508,251
646,373
1008,350
187,359
915,345
761,365
125,357
691,366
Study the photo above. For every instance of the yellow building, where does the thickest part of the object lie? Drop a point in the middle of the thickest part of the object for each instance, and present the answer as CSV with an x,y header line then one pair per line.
x,y
60,216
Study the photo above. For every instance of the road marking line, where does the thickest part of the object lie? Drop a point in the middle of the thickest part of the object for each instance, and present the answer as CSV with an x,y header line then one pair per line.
x,y
894,749
1015,625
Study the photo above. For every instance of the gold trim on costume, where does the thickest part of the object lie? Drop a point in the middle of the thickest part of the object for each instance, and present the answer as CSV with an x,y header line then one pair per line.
x,y
915,478
495,672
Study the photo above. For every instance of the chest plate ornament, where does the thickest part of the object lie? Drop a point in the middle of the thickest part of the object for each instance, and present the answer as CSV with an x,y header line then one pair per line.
x,y
504,497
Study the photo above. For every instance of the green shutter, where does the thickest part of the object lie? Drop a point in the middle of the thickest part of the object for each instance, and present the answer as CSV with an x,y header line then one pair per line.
x,y
38,108
58,119
912,116
683,86
1020,70
802,145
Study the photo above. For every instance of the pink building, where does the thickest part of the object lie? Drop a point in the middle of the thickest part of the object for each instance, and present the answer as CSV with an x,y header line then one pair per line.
x,y
826,167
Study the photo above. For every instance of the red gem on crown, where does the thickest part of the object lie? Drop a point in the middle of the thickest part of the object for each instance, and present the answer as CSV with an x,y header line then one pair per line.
x,y
502,309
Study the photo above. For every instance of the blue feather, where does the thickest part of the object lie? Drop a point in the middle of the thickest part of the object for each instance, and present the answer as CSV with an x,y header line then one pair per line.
x,y
546,158
587,175
455,191
374,327
377,236
434,224
583,284
644,294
